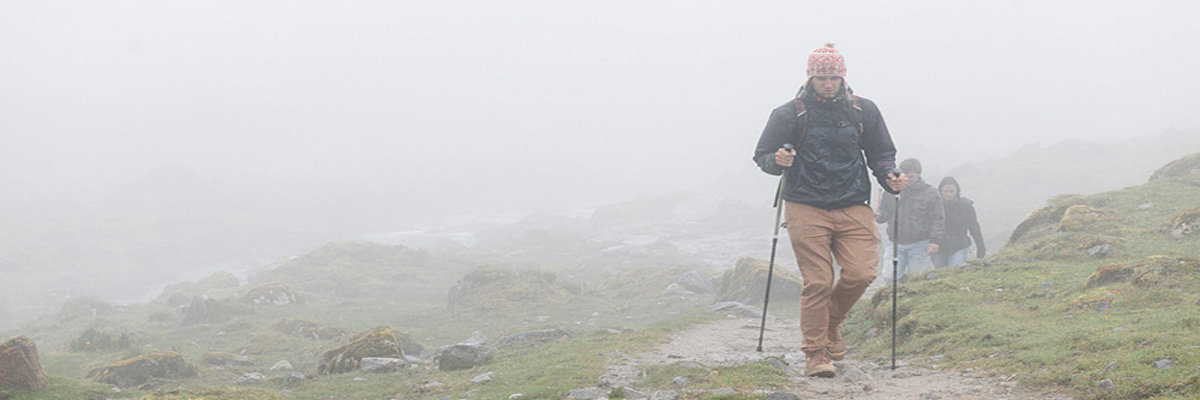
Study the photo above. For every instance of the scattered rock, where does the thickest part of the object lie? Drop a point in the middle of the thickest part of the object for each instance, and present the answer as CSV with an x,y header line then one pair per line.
x,y
664,395
1107,385
776,362
463,356
476,339
680,381
724,391
271,294
292,377
251,378
1164,364
929,396
783,396
675,290
1080,217
20,367
532,337
310,329
736,308
378,342
487,377
691,365
585,393
381,364
1145,206
693,281
631,393
142,369
282,365
227,359
851,374
515,396
1186,223
360,379
1100,250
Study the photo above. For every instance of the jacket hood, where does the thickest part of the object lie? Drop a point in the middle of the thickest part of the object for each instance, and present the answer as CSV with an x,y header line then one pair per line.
x,y
949,180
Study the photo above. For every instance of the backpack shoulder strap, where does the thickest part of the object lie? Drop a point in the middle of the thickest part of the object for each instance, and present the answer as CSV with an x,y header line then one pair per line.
x,y
856,114
801,110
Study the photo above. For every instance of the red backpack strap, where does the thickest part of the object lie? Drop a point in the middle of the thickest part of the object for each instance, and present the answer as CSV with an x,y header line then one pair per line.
x,y
801,109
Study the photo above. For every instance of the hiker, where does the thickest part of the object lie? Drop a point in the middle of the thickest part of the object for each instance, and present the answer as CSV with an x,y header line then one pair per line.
x,y
826,191
922,221
960,220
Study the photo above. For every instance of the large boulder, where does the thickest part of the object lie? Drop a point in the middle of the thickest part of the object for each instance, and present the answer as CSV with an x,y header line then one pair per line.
x,y
196,312
693,281
20,368
747,283
463,356
1185,223
310,329
378,342
143,369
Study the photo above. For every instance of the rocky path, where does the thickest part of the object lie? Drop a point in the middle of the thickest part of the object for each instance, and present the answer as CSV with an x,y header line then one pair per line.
x,y
733,341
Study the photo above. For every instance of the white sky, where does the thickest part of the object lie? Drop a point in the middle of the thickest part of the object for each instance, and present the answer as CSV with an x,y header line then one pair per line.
x,y
557,101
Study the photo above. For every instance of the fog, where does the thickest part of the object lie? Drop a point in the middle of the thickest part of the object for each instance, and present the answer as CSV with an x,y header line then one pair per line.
x,y
328,119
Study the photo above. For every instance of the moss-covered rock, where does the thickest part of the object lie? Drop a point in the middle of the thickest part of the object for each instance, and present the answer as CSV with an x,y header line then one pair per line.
x,y
1186,222
143,369
488,288
1162,271
1109,274
271,294
178,294
747,283
20,367
1081,217
1045,219
378,342
310,329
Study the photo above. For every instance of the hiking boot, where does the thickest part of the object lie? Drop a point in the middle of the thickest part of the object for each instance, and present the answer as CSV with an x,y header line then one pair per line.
x,y
837,346
817,364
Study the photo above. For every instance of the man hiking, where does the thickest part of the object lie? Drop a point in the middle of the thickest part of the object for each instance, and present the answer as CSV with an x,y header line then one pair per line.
x,y
922,221
826,190
960,220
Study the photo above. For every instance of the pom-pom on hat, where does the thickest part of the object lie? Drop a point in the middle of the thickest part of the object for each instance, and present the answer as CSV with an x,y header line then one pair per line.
x,y
826,61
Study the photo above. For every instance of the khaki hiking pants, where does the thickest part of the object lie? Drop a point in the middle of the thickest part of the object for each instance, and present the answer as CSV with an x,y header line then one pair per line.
x,y
820,236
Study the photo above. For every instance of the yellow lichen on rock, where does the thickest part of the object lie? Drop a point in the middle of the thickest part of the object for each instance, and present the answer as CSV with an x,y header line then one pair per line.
x,y
1080,217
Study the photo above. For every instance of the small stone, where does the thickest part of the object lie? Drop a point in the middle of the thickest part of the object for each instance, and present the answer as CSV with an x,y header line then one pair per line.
x,y
631,393
515,396
937,358
783,396
1164,364
359,379
1107,385
251,378
586,393
1145,206
929,396
900,375
282,365
851,374
691,365
664,395
482,378
680,381
724,391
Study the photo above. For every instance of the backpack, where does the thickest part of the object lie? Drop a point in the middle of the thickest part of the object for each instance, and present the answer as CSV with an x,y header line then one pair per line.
x,y
855,114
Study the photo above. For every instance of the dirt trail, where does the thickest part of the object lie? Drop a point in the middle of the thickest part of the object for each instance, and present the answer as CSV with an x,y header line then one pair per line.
x,y
733,341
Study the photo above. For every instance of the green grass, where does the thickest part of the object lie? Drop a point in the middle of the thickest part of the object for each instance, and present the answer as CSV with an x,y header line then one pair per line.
x,y
65,388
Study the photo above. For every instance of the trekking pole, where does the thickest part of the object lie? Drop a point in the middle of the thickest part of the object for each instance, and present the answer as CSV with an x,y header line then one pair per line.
x,y
774,241
895,263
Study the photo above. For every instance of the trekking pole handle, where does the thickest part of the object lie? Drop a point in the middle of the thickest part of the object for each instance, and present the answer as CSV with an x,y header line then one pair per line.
x,y
789,147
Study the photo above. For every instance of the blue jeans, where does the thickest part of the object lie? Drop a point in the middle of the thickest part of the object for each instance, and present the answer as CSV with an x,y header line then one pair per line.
x,y
914,258
943,259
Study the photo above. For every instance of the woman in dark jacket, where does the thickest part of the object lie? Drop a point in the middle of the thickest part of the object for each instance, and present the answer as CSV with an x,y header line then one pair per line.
x,y
960,220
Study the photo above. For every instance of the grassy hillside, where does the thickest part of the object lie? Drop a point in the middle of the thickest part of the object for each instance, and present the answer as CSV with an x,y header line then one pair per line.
x,y
1089,289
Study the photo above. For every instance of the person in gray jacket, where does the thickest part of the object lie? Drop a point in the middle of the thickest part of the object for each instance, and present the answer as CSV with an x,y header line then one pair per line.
x,y
922,221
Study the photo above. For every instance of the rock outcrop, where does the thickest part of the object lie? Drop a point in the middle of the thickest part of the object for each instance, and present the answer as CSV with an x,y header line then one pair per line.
x,y
747,283
20,368
271,294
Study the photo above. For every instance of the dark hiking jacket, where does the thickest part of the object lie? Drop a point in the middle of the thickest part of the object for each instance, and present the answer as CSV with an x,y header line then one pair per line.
x,y
960,220
829,170
921,214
